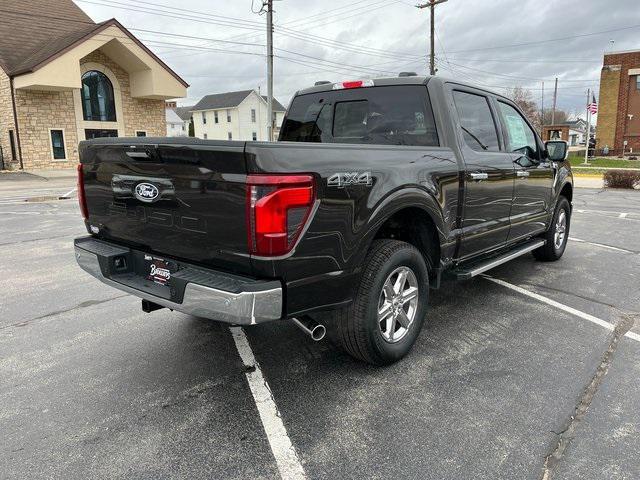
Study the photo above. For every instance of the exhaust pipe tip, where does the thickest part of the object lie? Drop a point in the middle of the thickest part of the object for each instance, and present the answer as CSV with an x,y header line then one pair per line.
x,y
318,332
309,326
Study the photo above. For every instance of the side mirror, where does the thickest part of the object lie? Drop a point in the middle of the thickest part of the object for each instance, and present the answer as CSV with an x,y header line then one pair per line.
x,y
557,150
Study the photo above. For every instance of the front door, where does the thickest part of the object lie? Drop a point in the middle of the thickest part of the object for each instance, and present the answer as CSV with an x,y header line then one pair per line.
x,y
534,177
489,175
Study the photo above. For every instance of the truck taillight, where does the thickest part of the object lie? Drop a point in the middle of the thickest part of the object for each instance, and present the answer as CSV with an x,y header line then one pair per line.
x,y
82,200
278,207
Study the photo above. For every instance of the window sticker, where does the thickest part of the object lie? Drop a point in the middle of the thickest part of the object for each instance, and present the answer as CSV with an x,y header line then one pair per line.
x,y
517,133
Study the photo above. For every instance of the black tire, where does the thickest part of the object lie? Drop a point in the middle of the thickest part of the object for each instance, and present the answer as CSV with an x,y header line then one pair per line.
x,y
358,327
551,251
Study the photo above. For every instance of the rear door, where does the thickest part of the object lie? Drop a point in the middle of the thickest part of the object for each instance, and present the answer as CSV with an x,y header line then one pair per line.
x,y
534,178
489,174
183,198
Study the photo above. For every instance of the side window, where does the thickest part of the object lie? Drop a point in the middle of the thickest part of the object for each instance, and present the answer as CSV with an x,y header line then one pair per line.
x,y
476,120
520,137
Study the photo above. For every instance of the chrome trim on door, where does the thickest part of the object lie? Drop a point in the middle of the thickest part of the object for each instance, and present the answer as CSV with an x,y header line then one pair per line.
x,y
522,173
479,176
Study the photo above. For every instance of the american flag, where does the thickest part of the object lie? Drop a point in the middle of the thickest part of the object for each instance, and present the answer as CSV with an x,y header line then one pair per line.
x,y
593,106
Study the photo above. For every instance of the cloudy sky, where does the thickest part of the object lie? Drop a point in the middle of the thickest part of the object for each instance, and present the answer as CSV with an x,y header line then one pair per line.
x,y
219,45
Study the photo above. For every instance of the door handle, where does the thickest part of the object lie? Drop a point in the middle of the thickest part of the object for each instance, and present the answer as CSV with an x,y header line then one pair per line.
x,y
479,176
522,173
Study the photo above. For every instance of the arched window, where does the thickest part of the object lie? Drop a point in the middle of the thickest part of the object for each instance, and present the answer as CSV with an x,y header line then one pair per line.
x,y
98,104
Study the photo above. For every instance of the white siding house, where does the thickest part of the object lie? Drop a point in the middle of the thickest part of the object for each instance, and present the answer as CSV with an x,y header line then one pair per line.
x,y
234,116
176,126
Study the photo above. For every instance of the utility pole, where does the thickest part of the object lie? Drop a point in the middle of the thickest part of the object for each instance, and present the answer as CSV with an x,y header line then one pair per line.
x,y
432,5
555,97
586,141
269,70
542,113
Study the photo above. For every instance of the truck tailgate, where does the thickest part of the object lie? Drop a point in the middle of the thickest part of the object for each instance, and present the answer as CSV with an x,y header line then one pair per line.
x,y
180,197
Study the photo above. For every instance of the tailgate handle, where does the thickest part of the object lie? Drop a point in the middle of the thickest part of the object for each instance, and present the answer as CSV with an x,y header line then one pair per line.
x,y
138,154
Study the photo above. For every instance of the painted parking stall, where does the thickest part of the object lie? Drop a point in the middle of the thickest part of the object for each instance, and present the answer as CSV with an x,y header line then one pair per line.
x,y
91,386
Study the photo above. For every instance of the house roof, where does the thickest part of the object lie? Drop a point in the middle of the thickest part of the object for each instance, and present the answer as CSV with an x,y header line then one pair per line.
x,y
230,100
184,112
26,28
32,38
171,116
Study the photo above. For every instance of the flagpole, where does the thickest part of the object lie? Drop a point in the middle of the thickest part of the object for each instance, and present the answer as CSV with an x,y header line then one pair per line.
x,y
586,143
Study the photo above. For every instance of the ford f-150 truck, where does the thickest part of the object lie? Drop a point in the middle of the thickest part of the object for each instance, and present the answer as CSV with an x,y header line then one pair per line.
x,y
374,190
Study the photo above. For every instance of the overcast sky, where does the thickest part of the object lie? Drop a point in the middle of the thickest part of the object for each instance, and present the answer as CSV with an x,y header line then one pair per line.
x,y
339,40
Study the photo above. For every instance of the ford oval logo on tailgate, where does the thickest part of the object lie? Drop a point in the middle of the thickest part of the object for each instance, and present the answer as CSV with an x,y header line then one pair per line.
x,y
146,192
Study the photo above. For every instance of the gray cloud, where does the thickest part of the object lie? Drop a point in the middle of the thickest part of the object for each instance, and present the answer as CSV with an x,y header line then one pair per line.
x,y
468,31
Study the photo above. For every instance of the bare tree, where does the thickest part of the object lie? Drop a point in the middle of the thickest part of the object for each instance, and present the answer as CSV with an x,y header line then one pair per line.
x,y
524,99
560,116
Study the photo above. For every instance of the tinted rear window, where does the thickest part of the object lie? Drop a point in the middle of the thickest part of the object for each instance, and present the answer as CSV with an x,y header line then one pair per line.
x,y
391,115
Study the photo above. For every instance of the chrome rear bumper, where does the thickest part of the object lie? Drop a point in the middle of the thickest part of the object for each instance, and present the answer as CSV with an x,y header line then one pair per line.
x,y
246,303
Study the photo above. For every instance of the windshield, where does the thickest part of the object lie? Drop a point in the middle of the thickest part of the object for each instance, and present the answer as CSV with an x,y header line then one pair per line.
x,y
392,115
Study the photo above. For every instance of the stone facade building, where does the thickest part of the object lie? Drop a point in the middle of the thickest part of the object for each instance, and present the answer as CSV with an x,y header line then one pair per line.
x,y
64,78
619,102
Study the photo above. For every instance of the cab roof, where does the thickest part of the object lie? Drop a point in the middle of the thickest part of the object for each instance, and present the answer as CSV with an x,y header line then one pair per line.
x,y
405,80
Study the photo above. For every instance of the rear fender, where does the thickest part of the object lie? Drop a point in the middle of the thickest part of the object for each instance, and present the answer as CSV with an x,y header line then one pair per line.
x,y
399,200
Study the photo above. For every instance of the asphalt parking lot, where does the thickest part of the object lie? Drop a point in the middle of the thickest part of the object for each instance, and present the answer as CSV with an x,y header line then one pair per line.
x,y
532,373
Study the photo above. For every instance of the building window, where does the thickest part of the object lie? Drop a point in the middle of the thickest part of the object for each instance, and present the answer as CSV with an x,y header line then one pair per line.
x,y
254,136
228,116
57,145
90,133
638,82
204,118
253,116
215,117
12,144
229,136
183,127
204,135
98,104
142,133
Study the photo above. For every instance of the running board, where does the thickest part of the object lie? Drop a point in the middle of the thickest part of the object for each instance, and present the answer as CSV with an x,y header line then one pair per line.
x,y
466,272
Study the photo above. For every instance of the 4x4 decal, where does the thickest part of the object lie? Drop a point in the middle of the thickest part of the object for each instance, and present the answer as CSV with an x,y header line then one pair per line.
x,y
345,179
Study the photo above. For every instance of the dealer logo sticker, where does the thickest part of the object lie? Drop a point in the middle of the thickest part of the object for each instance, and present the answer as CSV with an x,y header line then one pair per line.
x,y
146,192
159,274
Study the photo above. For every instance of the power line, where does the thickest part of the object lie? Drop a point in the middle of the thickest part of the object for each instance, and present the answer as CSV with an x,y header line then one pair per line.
x,y
569,37
177,16
341,17
325,12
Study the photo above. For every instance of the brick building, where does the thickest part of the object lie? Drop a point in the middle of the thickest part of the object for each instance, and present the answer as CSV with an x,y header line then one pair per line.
x,y
619,102
65,78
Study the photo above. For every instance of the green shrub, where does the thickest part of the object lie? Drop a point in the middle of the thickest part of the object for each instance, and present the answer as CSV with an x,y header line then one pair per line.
x,y
621,179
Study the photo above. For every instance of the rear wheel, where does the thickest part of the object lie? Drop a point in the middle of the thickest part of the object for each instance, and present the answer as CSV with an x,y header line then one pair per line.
x,y
387,314
557,235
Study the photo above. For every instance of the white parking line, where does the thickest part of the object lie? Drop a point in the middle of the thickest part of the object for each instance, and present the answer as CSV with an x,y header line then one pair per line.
x,y
602,245
286,458
561,306
69,192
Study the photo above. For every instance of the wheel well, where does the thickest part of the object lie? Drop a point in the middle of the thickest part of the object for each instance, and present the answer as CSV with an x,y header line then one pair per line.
x,y
567,192
414,226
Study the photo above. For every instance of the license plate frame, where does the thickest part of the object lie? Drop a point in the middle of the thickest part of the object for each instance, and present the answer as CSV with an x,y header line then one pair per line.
x,y
159,270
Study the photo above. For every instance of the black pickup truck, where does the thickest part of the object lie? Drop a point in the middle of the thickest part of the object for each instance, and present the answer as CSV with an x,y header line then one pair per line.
x,y
374,191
